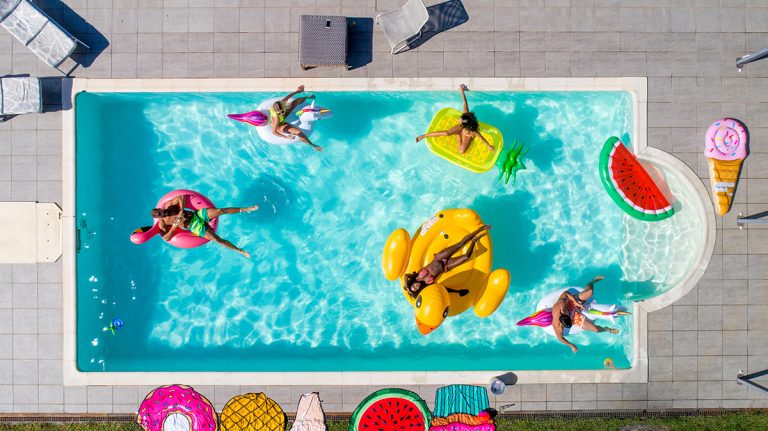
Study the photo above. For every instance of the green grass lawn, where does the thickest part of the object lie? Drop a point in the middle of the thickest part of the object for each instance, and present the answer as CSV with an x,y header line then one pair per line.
x,y
727,422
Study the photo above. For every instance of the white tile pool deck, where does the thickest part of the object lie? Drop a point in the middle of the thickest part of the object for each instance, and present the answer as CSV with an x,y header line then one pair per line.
x,y
686,48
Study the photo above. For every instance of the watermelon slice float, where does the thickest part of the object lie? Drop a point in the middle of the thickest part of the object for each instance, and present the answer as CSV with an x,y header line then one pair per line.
x,y
629,185
391,410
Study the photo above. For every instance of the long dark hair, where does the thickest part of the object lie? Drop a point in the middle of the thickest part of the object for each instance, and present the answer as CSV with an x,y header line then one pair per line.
x,y
469,121
410,279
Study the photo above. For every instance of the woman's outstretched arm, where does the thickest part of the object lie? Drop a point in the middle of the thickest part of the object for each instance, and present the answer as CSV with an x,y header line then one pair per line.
x,y
462,87
300,89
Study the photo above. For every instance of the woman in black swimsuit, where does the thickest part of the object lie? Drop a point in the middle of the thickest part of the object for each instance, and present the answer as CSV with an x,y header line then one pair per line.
x,y
443,262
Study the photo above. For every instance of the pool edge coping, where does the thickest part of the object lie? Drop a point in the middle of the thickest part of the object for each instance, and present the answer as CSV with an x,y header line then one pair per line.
x,y
636,86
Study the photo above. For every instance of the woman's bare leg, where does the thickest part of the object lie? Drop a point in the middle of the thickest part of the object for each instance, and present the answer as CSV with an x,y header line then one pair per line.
x,y
212,236
296,102
436,134
215,212
450,251
296,132
456,261
463,144
589,289
587,325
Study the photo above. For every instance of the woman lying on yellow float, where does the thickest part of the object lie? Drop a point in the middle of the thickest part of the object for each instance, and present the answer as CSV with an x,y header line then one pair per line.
x,y
437,284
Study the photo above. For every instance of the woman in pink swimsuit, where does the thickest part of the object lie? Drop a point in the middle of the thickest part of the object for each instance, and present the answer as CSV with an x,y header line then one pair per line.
x,y
443,262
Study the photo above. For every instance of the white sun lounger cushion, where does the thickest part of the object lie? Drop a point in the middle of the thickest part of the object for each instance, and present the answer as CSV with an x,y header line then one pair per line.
x,y
32,27
6,7
52,44
20,95
25,22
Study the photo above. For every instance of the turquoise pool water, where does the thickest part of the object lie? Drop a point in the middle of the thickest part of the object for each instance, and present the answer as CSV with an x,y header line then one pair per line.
x,y
313,297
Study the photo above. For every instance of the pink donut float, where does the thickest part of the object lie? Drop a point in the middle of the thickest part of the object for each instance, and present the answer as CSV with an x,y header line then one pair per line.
x,y
175,404
182,238
726,139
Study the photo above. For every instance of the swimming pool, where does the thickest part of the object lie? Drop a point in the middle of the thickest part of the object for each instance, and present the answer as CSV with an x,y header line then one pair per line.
x,y
295,309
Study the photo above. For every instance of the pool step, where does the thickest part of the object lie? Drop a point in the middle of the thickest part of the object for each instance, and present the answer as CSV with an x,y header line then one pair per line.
x,y
31,232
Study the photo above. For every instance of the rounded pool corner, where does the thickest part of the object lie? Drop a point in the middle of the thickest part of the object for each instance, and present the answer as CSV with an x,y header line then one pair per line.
x,y
709,229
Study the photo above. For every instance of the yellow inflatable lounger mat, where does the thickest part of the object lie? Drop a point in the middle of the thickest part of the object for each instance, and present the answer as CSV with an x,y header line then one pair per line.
x,y
477,158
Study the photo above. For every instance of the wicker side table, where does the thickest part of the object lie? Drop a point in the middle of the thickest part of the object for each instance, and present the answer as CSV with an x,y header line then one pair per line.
x,y
322,41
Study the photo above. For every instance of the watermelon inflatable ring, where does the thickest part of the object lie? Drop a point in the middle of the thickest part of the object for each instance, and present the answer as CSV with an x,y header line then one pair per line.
x,y
391,410
629,185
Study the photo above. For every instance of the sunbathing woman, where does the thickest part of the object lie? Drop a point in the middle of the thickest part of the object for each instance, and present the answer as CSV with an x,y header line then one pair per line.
x,y
465,131
175,216
278,113
566,313
443,262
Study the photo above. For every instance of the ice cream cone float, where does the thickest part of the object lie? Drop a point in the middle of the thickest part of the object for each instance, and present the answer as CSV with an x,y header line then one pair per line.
x,y
725,148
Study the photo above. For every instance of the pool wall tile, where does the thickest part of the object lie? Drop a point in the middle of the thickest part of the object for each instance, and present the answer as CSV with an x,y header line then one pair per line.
x,y
533,405
534,393
609,405
50,346
710,317
660,404
25,347
6,295
584,405
684,317
6,372
222,394
99,395
25,394
737,292
100,408
126,395
24,321
660,368
558,392
125,408
512,393
710,390
660,342
710,368
609,392
6,321
684,343
659,391
51,395
584,392
24,191
50,372
559,405
24,273
49,296
735,342
48,321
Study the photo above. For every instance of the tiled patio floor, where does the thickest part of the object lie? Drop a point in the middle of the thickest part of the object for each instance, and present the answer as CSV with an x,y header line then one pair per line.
x,y
686,48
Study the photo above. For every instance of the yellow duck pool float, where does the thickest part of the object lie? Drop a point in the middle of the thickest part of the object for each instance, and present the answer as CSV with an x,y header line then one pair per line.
x,y
477,158
403,255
